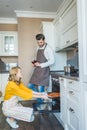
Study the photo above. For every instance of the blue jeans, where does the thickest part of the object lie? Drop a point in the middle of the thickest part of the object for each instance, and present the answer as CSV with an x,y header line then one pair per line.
x,y
38,89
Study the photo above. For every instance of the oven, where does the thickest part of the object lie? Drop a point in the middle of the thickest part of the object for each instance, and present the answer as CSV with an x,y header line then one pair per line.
x,y
52,105
56,88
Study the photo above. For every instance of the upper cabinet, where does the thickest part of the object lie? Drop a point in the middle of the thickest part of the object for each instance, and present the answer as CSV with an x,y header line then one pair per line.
x,y
67,25
8,44
47,28
57,34
69,16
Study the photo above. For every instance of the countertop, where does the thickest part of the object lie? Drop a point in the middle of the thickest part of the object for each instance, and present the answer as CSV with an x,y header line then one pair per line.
x,y
57,74
4,71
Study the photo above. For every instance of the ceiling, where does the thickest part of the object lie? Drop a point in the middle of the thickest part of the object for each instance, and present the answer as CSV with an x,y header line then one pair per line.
x,y
8,8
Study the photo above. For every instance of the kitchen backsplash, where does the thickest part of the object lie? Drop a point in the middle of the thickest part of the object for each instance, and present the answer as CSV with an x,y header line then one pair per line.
x,y
72,58
6,66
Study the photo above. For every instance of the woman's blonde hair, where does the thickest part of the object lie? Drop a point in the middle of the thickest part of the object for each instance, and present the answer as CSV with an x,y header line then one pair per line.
x,y
13,74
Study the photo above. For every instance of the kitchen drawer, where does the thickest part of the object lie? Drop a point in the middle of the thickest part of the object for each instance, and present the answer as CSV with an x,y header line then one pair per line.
x,y
73,95
73,116
72,84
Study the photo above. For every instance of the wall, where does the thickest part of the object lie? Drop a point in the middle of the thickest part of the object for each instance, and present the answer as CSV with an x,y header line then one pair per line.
x,y
8,27
27,29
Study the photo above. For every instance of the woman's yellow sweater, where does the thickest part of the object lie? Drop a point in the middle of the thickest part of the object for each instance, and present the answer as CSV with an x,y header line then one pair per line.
x,y
12,89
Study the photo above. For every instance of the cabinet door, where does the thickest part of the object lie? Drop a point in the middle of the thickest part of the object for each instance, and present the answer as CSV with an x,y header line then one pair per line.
x,y
85,107
82,38
73,117
74,110
69,25
1,43
69,16
57,35
4,81
70,36
63,100
10,44
47,28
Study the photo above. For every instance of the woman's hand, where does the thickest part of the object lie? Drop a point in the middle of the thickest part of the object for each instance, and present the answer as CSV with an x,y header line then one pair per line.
x,y
42,95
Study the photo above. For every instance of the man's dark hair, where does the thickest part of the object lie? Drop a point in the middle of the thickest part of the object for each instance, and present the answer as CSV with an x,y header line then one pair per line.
x,y
40,36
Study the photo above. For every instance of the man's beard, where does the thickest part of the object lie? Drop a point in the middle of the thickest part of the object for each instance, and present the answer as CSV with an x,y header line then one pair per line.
x,y
41,46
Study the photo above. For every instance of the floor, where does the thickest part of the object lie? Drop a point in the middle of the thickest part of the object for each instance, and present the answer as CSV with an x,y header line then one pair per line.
x,y
44,121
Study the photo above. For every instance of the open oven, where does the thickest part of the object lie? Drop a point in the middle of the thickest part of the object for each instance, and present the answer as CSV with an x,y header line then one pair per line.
x,y
52,105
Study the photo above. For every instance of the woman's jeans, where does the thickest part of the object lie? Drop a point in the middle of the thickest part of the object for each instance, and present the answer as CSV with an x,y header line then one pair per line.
x,y
37,89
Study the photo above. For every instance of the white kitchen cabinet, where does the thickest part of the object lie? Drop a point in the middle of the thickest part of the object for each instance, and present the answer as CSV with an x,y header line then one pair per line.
x,y
8,44
73,119
47,28
82,38
3,83
65,25
63,100
84,106
70,35
69,25
69,15
1,45
57,35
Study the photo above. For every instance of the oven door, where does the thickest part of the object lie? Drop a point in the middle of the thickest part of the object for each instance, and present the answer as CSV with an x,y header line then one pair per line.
x,y
53,105
46,107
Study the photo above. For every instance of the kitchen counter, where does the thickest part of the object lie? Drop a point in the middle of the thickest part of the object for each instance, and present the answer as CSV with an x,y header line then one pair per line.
x,y
3,71
72,76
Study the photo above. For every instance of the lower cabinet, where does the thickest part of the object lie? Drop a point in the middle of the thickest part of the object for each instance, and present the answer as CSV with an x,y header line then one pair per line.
x,y
73,105
73,116
84,106
63,100
3,82
70,94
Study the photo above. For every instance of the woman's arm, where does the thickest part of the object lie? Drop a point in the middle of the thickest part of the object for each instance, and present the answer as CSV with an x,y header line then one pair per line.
x,y
40,95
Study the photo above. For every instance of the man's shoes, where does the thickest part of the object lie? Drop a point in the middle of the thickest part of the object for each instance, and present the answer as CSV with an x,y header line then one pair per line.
x,y
12,123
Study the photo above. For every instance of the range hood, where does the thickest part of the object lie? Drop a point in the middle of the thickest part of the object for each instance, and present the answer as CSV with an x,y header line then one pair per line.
x,y
68,48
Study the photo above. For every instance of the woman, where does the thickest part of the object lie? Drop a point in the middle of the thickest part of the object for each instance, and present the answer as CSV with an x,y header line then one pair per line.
x,y
14,89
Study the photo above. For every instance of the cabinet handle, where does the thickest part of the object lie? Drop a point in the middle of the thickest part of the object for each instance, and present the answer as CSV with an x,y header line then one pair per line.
x,y
68,41
71,92
70,82
61,79
71,110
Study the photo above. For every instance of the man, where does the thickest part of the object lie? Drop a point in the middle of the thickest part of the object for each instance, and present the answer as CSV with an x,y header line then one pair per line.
x,y
44,59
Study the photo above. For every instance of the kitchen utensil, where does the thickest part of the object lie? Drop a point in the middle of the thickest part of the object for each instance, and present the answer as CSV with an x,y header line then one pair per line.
x,y
53,94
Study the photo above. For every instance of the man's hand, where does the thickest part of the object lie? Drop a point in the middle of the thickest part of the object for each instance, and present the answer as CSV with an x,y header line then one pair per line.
x,y
37,64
